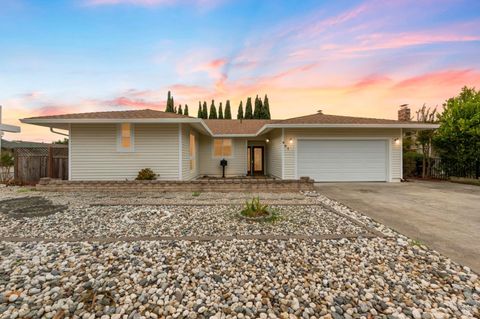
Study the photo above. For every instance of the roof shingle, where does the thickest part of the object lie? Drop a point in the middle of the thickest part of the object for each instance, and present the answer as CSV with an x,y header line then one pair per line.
x,y
133,114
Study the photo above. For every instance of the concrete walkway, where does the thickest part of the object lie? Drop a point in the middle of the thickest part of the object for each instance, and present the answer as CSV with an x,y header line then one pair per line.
x,y
443,215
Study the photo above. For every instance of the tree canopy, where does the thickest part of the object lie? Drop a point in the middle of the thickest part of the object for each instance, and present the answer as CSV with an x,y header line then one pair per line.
x,y
458,139
240,111
213,111
228,111
248,109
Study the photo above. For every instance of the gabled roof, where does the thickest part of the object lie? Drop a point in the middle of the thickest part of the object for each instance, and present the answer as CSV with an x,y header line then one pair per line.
x,y
320,118
132,114
236,127
223,127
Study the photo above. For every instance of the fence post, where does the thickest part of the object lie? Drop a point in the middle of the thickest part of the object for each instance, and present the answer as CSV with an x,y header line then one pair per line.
x,y
15,164
50,162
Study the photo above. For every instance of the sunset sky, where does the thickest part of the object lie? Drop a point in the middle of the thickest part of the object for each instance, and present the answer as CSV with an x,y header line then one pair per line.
x,y
361,58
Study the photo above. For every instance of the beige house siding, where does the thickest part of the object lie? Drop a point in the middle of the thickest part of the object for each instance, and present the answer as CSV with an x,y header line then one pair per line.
x,y
395,163
274,154
209,165
94,154
187,173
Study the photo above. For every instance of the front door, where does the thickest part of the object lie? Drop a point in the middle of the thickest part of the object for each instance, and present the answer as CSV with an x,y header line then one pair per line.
x,y
255,160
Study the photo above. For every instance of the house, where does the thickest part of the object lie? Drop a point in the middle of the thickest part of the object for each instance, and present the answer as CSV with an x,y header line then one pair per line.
x,y
116,145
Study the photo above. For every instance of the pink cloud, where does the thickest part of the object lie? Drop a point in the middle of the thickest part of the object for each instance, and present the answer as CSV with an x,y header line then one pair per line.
x,y
137,103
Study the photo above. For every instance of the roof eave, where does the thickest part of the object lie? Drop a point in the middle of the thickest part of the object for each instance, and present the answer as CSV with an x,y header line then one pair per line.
x,y
392,125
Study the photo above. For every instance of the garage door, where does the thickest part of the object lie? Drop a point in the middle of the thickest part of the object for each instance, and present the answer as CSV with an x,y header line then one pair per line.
x,y
342,160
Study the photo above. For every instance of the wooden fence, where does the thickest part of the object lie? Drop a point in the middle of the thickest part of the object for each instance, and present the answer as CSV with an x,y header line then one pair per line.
x,y
33,163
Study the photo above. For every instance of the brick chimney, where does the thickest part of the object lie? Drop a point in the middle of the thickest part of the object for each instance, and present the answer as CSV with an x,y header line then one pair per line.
x,y
404,113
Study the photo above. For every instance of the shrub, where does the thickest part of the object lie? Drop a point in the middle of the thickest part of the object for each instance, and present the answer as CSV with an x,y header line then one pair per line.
x,y
146,174
196,194
254,208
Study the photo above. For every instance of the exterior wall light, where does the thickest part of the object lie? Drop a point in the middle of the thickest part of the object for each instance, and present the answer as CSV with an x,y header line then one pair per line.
x,y
290,141
397,141
267,140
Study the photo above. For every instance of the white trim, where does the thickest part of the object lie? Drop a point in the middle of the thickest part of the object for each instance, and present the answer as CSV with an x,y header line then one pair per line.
x,y
200,121
246,155
283,153
180,155
69,152
120,148
401,154
389,164
388,141
413,125
103,121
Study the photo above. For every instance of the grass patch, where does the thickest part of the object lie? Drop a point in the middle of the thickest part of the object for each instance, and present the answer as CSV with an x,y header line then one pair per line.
x,y
24,190
416,242
464,180
196,194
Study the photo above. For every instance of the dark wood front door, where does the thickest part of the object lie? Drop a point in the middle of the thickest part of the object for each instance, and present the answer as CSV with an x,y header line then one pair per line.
x,y
256,160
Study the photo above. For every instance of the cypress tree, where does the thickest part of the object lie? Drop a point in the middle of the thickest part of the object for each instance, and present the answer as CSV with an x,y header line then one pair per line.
x,y
240,111
169,107
199,113
204,111
266,108
185,110
248,109
220,112
175,110
256,110
213,111
180,111
228,112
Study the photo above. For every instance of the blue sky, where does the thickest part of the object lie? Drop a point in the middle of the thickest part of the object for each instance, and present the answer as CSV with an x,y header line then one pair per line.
x,y
359,58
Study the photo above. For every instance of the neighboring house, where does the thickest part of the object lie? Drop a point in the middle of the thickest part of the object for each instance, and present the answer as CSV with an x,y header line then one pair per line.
x,y
12,145
116,145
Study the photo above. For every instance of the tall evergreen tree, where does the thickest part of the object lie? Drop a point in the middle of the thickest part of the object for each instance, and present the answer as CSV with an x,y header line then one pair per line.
x,y
175,110
204,111
266,108
257,110
228,112
180,111
199,113
261,114
240,111
248,109
185,110
220,112
213,111
169,107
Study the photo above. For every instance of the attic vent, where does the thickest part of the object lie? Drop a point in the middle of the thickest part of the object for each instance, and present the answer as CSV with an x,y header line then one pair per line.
x,y
320,112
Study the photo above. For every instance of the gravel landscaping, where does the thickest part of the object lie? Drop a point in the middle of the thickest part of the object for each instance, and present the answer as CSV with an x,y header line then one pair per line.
x,y
374,273
133,221
361,278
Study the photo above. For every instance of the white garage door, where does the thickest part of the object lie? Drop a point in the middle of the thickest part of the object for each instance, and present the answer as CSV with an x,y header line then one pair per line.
x,y
342,160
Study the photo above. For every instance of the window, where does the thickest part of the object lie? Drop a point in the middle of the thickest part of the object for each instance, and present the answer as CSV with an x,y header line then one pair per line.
x,y
192,152
222,147
125,137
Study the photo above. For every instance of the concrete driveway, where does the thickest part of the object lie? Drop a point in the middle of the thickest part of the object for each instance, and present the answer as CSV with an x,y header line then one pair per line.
x,y
445,216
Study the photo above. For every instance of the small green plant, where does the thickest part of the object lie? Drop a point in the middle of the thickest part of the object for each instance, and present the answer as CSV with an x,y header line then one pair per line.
x,y
415,242
256,210
196,194
146,174
24,190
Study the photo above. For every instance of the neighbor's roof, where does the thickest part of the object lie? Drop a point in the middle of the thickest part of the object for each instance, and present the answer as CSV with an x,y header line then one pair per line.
x,y
236,127
133,114
21,144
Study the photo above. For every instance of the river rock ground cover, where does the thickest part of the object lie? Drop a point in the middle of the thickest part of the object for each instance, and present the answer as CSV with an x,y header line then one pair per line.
x,y
387,276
